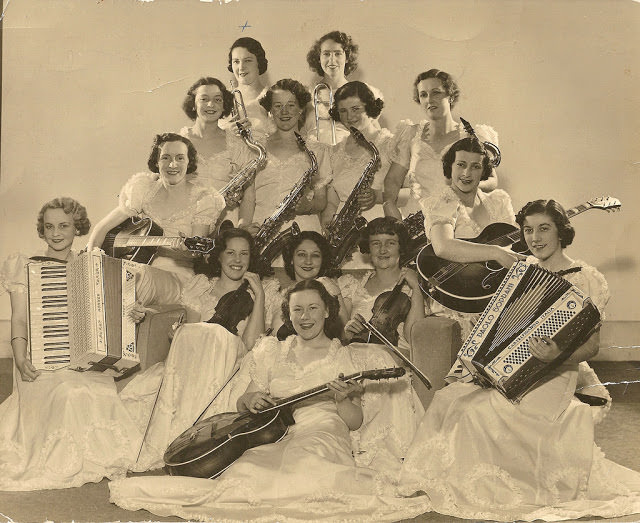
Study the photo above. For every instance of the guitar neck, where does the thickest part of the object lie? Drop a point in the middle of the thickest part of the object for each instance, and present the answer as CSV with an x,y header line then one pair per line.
x,y
307,394
147,241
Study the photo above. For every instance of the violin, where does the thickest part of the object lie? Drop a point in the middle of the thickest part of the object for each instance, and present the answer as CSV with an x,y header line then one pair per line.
x,y
232,308
389,310
209,447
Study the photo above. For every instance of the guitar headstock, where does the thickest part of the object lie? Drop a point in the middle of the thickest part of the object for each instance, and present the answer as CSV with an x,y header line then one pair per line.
x,y
605,203
199,244
382,374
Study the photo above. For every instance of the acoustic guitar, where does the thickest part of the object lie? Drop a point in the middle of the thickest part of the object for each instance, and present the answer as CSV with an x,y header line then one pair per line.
x,y
468,287
138,239
209,447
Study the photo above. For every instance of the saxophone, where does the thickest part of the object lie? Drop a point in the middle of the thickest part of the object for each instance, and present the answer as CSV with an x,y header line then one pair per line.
x,y
344,228
234,190
268,246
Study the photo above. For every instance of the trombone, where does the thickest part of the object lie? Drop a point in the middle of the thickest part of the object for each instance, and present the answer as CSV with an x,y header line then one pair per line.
x,y
316,103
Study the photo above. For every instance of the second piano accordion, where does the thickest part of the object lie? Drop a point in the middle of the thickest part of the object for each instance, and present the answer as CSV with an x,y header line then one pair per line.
x,y
530,301
77,314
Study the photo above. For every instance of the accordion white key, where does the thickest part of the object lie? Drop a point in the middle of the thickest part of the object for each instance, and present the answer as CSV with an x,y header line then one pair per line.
x,y
77,314
530,301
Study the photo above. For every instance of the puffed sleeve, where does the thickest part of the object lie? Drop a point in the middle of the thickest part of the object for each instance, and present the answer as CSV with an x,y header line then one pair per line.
x,y
400,150
240,154
13,274
136,192
438,209
597,287
157,286
348,285
194,290
209,203
486,133
500,207
262,359
272,299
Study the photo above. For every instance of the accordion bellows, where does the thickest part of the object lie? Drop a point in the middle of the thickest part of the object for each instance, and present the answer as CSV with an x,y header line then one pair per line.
x,y
530,301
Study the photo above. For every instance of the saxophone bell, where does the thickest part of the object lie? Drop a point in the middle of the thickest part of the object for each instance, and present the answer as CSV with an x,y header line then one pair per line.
x,y
317,102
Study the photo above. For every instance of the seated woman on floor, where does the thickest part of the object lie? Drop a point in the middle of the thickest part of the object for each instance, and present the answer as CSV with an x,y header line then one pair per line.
x,y
166,195
309,474
227,304
477,455
60,428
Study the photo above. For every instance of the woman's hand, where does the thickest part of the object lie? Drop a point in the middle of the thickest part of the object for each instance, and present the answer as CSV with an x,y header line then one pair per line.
x,y
411,277
354,327
342,390
27,371
367,199
254,283
506,257
258,401
544,348
137,312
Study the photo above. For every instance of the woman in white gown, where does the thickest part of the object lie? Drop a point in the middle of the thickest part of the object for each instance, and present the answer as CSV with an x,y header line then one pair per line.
x,y
333,57
287,161
203,354
169,197
60,428
417,148
221,152
310,474
479,456
462,210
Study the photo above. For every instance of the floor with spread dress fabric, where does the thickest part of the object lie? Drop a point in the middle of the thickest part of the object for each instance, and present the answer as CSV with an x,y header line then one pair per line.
x,y
618,436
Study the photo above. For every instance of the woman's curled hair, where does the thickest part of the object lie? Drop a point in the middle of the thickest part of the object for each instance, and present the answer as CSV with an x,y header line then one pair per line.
x,y
350,52
69,206
470,145
372,105
448,83
385,225
210,266
325,250
255,48
189,103
556,212
332,325
303,96
160,140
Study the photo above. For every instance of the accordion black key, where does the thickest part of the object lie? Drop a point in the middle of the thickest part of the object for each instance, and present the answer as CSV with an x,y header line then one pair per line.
x,y
530,301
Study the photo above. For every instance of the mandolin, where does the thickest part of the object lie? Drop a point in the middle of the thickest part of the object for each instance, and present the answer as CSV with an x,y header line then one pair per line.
x,y
138,240
209,447
468,287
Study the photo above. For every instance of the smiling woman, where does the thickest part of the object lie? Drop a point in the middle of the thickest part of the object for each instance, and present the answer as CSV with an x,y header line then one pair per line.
x,y
181,206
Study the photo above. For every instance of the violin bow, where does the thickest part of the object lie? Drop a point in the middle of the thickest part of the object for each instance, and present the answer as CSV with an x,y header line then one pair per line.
x,y
217,394
393,349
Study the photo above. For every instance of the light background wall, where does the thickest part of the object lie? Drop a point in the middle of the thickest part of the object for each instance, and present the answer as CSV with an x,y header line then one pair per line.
x,y
86,84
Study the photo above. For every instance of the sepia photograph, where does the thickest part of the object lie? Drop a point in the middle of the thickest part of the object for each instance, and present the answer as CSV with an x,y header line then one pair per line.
x,y
319,260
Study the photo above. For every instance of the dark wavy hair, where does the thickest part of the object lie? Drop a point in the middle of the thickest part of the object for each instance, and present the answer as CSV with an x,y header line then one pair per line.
x,y
163,138
303,96
189,103
322,243
332,325
210,266
384,225
556,212
255,48
70,206
471,145
372,105
350,51
449,84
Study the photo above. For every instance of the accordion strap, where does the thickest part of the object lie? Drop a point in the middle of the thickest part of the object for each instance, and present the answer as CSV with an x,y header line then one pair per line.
x,y
568,271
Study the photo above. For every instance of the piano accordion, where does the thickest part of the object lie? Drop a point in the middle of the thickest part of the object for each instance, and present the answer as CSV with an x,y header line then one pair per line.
x,y
77,314
530,301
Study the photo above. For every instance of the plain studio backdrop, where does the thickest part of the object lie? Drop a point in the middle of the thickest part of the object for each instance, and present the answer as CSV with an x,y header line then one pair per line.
x,y
87,84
